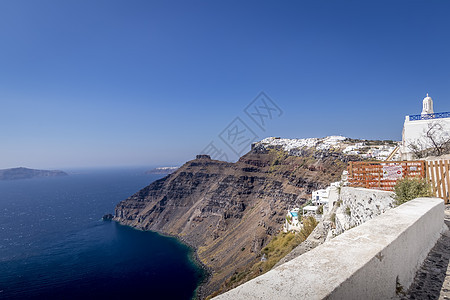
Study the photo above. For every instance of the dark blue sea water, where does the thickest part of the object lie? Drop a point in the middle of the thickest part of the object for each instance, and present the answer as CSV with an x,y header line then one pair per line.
x,y
54,245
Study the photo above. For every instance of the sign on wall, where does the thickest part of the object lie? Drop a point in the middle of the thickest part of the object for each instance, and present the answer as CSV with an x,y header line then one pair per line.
x,y
392,172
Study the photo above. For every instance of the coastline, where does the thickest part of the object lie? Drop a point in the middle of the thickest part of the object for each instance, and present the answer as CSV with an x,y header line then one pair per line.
x,y
200,292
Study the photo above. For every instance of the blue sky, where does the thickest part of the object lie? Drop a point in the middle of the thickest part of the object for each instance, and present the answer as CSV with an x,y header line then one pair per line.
x,y
128,83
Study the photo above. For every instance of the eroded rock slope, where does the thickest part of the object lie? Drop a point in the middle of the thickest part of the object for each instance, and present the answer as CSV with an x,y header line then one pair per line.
x,y
229,211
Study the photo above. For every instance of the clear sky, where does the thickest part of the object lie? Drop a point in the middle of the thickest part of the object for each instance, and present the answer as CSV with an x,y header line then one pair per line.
x,y
127,83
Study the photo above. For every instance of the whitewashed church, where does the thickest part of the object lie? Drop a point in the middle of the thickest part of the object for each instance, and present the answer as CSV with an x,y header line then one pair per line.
x,y
416,126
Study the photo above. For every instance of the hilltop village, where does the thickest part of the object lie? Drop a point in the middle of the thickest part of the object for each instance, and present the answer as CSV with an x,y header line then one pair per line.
x,y
416,132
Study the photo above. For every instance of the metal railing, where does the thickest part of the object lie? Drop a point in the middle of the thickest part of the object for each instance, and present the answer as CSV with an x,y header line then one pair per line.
x,y
429,116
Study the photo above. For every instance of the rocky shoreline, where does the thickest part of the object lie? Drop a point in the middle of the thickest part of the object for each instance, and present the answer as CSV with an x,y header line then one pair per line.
x,y
200,292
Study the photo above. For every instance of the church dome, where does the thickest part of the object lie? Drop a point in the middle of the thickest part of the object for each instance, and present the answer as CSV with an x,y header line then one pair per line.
x,y
427,98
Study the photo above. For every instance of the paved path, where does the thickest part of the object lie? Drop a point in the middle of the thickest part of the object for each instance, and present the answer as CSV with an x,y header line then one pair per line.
x,y
432,281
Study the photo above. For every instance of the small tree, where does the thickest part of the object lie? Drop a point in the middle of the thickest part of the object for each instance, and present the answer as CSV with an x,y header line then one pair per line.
x,y
410,188
418,148
438,137
435,141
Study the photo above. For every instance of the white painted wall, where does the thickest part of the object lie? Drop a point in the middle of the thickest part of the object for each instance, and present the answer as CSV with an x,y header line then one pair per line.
x,y
362,263
363,205
414,131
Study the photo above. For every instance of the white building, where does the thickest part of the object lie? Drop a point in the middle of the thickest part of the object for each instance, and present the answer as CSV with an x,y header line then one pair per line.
x,y
320,197
353,149
292,221
310,210
416,126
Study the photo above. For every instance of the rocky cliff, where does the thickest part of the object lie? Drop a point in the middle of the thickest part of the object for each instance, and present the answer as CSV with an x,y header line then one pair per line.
x,y
229,211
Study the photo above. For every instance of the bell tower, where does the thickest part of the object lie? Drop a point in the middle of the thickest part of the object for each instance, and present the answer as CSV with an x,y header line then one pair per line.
x,y
427,107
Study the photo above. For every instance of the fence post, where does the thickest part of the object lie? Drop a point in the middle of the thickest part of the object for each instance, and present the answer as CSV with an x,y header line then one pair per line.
x,y
433,182
442,180
447,170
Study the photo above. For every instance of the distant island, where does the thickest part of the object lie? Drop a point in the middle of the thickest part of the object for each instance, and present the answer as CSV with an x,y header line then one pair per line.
x,y
25,173
162,170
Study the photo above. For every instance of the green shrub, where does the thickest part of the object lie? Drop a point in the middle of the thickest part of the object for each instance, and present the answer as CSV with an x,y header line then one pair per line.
x,y
410,188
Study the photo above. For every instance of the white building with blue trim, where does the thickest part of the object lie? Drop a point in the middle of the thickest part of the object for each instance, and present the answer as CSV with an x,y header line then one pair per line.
x,y
416,126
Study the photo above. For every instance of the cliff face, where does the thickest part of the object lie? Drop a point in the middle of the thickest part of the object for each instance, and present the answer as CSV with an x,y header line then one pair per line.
x,y
229,211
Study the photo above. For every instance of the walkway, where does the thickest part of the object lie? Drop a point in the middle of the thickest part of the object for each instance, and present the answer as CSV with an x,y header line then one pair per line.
x,y
433,279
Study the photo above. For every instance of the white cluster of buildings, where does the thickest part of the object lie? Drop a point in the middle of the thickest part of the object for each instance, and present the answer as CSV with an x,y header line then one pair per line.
x,y
380,152
290,144
319,198
354,149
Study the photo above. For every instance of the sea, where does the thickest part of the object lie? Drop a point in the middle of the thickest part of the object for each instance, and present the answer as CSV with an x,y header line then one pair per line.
x,y
55,245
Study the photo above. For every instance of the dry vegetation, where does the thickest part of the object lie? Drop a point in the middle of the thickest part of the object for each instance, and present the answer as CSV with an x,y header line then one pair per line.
x,y
410,188
278,247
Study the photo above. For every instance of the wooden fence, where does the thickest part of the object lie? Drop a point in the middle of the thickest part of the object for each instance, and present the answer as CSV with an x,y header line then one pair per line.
x,y
384,175
437,175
